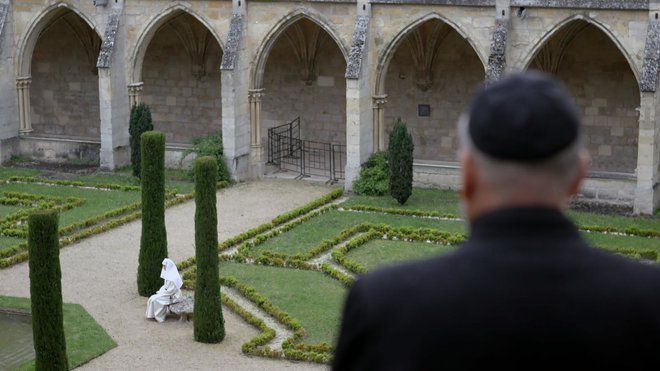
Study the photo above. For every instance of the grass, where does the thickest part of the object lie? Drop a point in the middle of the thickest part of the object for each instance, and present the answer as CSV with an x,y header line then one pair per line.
x,y
383,252
8,209
306,236
85,339
96,201
426,199
618,221
311,297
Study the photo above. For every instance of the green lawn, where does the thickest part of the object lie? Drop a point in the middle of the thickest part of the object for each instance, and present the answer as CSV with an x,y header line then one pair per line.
x,y
96,202
311,297
85,339
619,221
426,199
382,252
306,236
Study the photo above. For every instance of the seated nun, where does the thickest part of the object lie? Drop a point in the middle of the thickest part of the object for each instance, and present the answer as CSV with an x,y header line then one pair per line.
x,y
169,293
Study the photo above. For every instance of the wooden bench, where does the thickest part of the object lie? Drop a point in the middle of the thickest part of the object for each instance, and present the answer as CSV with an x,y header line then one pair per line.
x,y
183,308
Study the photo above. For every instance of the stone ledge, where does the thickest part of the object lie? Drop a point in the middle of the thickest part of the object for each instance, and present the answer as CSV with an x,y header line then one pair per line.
x,y
184,308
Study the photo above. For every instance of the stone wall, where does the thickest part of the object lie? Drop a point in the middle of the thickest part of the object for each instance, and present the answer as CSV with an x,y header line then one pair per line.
x,y
185,101
607,94
457,73
320,103
64,90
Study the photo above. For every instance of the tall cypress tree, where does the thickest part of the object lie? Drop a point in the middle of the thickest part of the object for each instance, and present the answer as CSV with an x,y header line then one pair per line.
x,y
209,326
153,242
46,292
139,123
400,152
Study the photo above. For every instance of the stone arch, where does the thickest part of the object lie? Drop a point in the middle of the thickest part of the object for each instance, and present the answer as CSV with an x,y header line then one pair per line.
x,y
37,26
179,69
604,86
529,57
426,76
391,48
153,24
274,35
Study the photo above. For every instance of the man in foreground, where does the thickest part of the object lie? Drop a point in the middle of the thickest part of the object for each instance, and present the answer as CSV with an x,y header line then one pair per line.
x,y
525,291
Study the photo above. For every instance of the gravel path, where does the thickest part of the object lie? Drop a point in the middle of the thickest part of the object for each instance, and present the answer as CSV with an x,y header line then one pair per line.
x,y
100,274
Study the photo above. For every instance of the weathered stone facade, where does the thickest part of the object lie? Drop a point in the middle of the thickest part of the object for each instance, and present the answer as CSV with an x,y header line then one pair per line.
x,y
69,71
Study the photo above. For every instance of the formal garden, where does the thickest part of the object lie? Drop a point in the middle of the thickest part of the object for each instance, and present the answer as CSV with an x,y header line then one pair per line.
x,y
293,271
297,267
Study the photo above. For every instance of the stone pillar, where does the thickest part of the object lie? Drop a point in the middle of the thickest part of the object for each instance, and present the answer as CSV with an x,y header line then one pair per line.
x,y
379,121
235,76
135,93
647,192
23,87
256,148
359,100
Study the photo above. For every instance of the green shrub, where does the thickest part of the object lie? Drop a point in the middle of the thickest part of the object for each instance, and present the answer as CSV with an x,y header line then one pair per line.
x,y
209,322
374,179
210,145
153,242
139,123
46,292
401,162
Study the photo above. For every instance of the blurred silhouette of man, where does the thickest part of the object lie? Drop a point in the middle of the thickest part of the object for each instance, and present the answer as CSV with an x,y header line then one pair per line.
x,y
525,291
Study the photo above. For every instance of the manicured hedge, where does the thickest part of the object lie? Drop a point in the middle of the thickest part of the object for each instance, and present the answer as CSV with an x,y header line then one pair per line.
x,y
153,242
46,292
209,326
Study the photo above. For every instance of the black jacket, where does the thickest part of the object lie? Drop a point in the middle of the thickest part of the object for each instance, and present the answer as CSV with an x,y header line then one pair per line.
x,y
524,292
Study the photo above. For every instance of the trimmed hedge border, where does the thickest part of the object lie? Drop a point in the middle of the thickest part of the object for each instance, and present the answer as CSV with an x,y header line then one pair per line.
x,y
291,348
276,222
18,253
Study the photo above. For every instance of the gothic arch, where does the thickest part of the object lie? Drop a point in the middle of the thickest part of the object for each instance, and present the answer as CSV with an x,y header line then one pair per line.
x,y
273,36
528,58
150,29
391,48
37,26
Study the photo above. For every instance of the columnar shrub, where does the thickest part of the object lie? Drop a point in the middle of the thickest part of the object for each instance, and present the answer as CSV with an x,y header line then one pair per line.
x,y
209,323
374,179
139,123
46,292
401,162
153,243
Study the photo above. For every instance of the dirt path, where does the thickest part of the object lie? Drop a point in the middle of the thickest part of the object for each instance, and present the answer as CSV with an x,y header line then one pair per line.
x,y
100,274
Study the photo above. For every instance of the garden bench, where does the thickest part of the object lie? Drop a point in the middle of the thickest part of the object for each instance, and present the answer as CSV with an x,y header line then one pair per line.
x,y
183,308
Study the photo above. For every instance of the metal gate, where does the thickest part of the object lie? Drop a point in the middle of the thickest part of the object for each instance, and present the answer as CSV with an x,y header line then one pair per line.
x,y
306,157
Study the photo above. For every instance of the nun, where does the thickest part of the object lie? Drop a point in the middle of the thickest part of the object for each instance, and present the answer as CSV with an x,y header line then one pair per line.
x,y
168,294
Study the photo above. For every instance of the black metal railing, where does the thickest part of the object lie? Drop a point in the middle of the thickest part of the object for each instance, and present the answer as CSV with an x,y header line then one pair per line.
x,y
307,157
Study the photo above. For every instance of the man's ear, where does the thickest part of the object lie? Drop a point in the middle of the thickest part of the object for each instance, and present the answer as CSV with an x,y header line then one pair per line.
x,y
582,173
467,174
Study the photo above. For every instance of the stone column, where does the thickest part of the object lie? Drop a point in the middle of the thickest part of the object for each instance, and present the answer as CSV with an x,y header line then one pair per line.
x,y
359,100
235,76
379,121
23,87
135,93
647,191
256,148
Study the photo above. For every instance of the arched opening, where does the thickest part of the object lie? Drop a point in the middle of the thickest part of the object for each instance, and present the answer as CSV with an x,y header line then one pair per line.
x,y
181,76
64,96
604,87
428,82
303,77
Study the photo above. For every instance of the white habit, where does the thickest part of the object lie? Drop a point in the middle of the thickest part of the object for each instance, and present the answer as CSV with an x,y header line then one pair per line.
x,y
168,294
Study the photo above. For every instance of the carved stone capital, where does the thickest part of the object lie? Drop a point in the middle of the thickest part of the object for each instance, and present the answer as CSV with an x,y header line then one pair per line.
x,y
255,95
23,82
135,88
379,100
